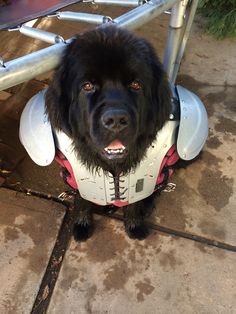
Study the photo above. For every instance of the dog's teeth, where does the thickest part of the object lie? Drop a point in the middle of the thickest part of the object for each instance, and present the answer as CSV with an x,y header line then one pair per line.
x,y
114,151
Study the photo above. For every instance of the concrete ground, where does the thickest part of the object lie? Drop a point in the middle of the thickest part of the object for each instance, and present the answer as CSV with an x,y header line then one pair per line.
x,y
188,263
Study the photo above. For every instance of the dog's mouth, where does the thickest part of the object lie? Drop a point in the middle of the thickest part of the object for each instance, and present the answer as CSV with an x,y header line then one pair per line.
x,y
115,150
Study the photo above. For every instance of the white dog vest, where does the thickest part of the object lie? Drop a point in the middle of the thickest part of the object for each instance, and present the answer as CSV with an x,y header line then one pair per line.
x,y
188,135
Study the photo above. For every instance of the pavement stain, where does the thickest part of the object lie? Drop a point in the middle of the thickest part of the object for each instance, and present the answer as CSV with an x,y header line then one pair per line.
x,y
215,188
168,259
167,296
8,217
34,258
149,247
226,125
38,232
229,138
220,254
11,234
211,100
91,292
212,229
227,97
190,83
144,288
226,94
174,215
105,244
132,256
118,275
231,102
210,160
204,248
213,142
70,275
13,301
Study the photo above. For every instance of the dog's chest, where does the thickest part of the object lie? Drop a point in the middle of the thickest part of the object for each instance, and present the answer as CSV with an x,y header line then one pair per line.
x,y
103,188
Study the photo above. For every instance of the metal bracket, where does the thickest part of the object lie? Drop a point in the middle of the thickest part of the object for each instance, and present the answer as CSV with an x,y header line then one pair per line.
x,y
170,187
2,64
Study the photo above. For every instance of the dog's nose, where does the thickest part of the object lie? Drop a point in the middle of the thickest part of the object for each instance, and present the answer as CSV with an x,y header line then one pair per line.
x,y
115,120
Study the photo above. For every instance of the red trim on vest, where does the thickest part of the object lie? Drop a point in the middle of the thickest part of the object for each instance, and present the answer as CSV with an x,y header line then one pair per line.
x,y
64,163
169,160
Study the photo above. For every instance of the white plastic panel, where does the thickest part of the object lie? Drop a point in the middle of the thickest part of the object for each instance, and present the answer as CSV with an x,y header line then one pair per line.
x,y
193,128
36,132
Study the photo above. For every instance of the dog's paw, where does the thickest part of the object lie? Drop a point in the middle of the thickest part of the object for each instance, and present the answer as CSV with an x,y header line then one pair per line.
x,y
82,232
139,232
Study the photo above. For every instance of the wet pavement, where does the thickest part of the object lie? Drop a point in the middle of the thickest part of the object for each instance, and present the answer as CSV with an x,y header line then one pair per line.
x,y
166,273
29,228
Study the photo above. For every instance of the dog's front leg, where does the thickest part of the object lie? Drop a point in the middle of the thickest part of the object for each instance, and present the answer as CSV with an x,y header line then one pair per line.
x,y
134,215
84,225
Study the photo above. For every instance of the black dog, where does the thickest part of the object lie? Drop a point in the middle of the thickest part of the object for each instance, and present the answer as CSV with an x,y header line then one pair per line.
x,y
110,95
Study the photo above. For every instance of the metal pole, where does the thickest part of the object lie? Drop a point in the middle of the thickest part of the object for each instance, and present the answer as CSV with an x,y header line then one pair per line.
x,y
27,67
42,61
171,50
190,17
174,37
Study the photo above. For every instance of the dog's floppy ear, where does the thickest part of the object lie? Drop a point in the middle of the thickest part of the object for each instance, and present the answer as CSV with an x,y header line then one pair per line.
x,y
59,93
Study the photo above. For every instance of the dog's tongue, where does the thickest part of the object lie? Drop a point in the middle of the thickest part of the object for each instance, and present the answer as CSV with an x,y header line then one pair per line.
x,y
116,144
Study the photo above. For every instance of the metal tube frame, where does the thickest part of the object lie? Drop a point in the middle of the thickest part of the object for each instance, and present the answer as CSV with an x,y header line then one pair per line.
x,y
28,67
128,3
48,37
82,17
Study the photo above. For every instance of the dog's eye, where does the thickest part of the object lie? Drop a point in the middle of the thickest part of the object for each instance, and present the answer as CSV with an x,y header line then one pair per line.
x,y
135,85
88,87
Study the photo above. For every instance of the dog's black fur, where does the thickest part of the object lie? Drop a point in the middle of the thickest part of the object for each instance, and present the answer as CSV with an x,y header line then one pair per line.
x,y
109,86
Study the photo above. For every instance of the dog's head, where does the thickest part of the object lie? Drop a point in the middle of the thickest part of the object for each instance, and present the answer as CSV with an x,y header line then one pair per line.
x,y
111,96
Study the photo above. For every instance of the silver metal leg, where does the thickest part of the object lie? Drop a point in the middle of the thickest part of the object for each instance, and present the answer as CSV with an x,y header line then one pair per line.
x,y
174,37
189,21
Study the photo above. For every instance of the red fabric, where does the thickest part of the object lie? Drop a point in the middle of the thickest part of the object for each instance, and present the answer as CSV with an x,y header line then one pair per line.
x,y
169,160
61,159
